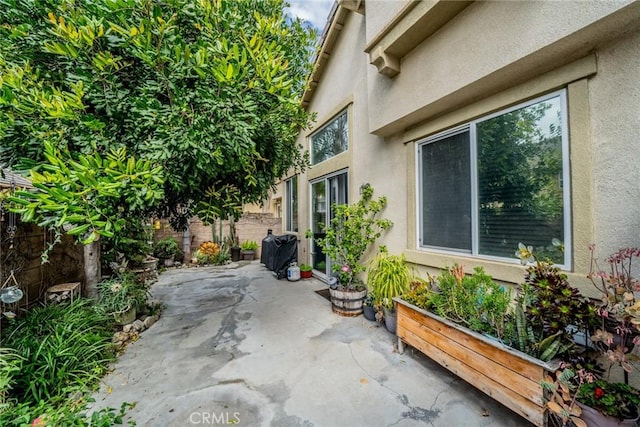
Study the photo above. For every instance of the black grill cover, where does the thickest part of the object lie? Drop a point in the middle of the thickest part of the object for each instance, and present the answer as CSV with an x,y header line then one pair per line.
x,y
285,251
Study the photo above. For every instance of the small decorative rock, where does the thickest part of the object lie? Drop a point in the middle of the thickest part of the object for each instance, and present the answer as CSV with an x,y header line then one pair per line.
x,y
138,325
119,337
150,321
127,328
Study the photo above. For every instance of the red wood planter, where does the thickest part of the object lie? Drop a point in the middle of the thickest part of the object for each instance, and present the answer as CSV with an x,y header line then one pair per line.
x,y
507,375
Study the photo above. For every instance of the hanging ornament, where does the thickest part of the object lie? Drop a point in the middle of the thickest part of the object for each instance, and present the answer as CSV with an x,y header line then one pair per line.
x,y
10,292
12,228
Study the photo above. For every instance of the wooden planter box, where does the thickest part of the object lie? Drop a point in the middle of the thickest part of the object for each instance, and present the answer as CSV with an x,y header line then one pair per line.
x,y
507,375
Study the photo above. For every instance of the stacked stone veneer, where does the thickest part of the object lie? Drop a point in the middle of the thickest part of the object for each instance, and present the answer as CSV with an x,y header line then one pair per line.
x,y
251,226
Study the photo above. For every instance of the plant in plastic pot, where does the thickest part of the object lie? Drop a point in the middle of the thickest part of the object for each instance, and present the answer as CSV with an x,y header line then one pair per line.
x,y
306,271
249,249
389,277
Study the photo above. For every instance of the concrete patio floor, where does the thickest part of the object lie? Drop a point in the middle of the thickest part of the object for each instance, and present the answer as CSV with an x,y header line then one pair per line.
x,y
236,346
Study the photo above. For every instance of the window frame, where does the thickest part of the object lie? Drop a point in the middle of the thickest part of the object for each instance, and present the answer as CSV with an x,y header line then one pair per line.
x,y
290,198
470,126
329,122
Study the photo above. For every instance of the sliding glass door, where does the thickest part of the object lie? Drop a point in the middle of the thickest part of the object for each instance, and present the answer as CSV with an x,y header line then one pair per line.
x,y
325,193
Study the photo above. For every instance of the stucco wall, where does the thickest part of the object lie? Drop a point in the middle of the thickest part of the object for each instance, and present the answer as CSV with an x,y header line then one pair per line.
x,y
370,159
615,114
378,14
488,47
490,56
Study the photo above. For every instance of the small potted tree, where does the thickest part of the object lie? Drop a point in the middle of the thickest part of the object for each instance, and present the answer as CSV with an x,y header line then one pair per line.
x,y
166,250
352,230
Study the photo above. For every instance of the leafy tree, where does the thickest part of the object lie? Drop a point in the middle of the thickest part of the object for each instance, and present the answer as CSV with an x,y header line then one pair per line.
x,y
207,90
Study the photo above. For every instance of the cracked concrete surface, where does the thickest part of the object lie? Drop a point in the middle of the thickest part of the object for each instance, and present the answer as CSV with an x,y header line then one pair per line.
x,y
236,346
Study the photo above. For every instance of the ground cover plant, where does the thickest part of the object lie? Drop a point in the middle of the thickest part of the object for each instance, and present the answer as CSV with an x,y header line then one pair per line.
x,y
51,358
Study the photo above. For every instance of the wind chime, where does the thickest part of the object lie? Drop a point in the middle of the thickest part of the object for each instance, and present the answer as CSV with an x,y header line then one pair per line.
x,y
10,291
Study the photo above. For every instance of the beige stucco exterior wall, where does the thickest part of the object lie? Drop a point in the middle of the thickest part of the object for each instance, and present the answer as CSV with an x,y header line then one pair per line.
x,y
469,69
370,159
488,47
490,56
378,14
615,127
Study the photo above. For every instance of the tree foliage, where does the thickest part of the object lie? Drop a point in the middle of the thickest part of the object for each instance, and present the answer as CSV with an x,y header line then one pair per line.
x,y
206,90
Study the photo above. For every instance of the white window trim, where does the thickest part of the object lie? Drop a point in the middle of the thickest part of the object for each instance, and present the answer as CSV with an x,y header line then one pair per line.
x,y
471,127
289,195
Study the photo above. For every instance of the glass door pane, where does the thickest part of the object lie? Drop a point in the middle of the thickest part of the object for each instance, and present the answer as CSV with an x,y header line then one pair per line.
x,y
318,222
325,193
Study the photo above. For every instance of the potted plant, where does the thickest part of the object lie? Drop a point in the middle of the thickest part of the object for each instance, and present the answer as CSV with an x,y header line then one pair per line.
x,y
249,249
306,271
166,250
235,249
352,230
576,396
369,308
388,277
617,330
121,297
468,324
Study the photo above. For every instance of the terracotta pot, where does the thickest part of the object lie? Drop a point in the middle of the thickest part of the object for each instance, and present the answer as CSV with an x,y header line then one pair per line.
x,y
306,274
595,418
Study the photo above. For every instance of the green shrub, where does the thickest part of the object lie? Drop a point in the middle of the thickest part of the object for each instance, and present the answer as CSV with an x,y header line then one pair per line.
x,y
65,347
72,413
166,248
474,301
10,365
250,245
120,294
219,258
389,276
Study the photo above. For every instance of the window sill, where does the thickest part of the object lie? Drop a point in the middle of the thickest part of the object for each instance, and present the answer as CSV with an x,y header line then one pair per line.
x,y
500,271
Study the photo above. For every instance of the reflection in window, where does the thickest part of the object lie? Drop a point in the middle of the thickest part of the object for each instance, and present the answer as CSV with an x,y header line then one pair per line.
x,y
330,140
291,194
511,191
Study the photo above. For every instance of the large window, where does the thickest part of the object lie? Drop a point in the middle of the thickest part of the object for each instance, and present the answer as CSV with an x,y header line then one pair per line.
x,y
330,140
498,181
291,194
